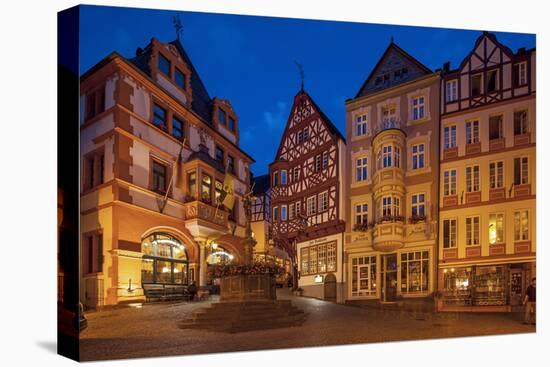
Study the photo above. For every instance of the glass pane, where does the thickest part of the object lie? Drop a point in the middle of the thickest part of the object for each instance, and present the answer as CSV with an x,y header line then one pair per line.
x,y
147,271
164,272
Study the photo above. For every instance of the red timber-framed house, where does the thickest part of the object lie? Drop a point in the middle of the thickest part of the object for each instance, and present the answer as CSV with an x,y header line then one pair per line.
x,y
487,245
155,151
307,198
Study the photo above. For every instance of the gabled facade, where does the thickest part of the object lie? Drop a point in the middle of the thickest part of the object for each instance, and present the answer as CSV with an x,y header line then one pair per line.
x,y
391,174
307,198
488,181
155,151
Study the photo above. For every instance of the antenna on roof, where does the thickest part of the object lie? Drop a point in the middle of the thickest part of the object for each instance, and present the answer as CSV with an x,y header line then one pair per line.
x,y
301,71
176,21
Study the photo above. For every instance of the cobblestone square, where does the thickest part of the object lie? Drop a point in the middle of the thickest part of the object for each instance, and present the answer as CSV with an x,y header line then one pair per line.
x,y
152,330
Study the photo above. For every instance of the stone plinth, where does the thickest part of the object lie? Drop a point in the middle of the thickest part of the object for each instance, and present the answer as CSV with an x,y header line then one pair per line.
x,y
241,288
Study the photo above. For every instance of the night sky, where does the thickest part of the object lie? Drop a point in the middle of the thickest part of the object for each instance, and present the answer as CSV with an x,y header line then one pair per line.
x,y
251,60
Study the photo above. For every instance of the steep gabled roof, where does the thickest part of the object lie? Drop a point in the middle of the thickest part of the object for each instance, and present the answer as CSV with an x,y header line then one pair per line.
x,y
201,103
332,128
393,59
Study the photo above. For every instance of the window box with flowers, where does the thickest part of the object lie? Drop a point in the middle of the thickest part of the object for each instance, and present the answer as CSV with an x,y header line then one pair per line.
x,y
417,219
391,218
361,227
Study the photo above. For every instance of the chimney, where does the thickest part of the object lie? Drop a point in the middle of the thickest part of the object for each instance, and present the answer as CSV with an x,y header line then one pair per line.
x,y
446,67
139,51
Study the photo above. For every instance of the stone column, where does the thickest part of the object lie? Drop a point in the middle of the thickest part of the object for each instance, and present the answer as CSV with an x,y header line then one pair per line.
x,y
202,264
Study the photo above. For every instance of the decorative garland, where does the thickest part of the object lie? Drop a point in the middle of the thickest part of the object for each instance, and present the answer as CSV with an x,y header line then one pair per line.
x,y
257,268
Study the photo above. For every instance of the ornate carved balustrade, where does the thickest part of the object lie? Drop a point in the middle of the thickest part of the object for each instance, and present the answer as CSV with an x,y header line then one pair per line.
x,y
203,219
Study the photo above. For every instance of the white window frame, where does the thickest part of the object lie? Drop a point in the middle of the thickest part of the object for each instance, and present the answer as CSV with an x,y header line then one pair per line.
x,y
451,90
361,125
472,178
472,132
323,202
497,220
361,213
496,174
418,108
418,203
311,205
418,156
453,232
472,230
449,182
522,231
449,136
361,169
284,213
523,170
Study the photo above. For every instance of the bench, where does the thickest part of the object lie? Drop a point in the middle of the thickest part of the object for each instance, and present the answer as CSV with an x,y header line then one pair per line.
x,y
165,292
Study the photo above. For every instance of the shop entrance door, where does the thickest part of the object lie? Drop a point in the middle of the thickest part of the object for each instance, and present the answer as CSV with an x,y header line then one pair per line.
x,y
517,285
389,278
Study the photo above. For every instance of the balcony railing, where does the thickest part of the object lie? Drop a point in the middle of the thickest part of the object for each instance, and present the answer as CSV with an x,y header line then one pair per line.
x,y
387,125
206,212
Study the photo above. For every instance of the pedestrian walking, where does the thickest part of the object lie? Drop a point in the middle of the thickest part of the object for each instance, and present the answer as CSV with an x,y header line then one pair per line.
x,y
529,302
192,291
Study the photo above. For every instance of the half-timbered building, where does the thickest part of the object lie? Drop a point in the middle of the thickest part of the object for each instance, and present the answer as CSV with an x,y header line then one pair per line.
x,y
307,198
488,187
392,171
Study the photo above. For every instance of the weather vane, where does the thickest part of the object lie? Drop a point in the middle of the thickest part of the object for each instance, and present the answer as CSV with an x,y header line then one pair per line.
x,y
177,25
301,71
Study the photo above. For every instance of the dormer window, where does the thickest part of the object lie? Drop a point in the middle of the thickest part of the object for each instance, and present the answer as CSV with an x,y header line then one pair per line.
x,y
231,123
476,85
164,65
492,80
179,78
221,116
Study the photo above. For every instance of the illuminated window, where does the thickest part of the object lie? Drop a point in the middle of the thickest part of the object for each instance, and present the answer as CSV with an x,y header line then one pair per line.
x,y
363,276
164,260
496,228
521,225
496,175
415,273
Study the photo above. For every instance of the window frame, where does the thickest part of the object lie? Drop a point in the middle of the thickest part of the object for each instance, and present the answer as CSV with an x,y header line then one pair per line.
x,y
361,125
418,156
472,131
361,169
450,241
452,180
496,174
494,220
449,136
418,108
473,180
451,90
473,225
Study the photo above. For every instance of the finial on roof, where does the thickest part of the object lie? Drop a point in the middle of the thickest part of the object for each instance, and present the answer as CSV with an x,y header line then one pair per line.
x,y
391,39
301,72
176,21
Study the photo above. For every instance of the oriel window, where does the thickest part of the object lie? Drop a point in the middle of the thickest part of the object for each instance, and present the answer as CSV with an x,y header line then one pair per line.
x,y
179,78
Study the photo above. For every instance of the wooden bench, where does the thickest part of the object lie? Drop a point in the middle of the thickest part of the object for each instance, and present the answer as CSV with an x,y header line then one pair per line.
x,y
165,292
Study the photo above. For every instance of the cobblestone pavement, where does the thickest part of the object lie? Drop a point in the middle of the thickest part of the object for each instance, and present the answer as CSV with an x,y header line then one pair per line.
x,y
152,331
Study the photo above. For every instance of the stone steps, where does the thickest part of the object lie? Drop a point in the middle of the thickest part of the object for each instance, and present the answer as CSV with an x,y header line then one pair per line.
x,y
247,316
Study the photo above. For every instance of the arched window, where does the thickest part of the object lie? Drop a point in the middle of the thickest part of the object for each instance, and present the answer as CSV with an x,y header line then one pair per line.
x,y
219,256
164,260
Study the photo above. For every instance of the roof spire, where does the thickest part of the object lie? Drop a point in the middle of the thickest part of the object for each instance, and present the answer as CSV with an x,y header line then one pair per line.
x,y
301,72
176,21
391,39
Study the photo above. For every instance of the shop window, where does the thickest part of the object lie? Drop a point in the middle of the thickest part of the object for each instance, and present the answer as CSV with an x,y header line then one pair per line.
x,y
415,272
318,259
457,286
363,276
490,283
164,260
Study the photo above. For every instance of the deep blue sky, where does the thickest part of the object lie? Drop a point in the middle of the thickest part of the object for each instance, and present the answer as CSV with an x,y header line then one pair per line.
x,y
250,60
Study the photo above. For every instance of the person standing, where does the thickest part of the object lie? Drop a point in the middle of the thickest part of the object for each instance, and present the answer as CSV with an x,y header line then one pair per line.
x,y
192,291
530,303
